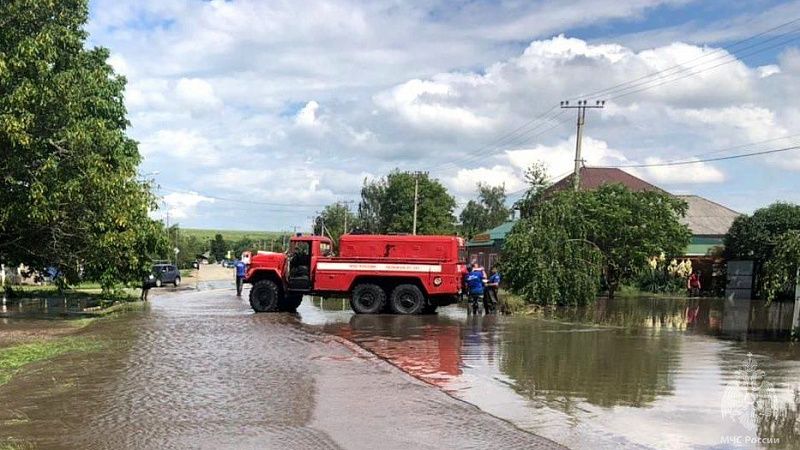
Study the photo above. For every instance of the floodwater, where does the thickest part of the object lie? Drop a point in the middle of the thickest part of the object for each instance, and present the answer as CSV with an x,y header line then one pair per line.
x,y
199,369
641,373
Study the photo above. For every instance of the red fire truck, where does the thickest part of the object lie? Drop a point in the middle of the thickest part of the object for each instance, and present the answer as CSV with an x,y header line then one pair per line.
x,y
401,274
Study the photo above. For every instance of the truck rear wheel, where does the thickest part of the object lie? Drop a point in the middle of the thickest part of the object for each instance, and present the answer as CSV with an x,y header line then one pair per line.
x,y
265,296
407,299
368,299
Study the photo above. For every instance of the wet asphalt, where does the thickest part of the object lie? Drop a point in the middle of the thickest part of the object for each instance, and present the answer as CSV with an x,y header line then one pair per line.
x,y
198,369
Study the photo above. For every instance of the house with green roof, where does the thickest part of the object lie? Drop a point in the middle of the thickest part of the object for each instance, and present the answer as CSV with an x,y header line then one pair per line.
x,y
486,247
708,221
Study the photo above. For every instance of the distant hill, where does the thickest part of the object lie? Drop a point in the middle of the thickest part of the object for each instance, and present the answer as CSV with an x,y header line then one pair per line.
x,y
232,235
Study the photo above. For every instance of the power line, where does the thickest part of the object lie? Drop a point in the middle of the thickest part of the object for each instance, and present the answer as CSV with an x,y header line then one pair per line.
x,y
691,74
644,83
697,161
682,65
505,140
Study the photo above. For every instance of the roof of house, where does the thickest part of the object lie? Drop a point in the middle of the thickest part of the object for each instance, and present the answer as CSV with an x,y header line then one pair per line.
x,y
594,177
705,217
488,237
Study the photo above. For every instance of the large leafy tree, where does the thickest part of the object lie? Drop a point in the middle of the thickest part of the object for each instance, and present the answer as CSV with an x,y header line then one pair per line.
x,y
766,237
337,219
68,182
387,205
487,212
571,240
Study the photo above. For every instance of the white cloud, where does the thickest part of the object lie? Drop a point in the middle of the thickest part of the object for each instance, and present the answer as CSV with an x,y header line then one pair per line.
x,y
197,95
464,184
430,104
181,205
307,116
187,146
684,174
559,159
751,123
768,70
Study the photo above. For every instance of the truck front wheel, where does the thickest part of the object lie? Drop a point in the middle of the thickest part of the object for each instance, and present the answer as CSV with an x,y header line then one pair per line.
x,y
407,299
291,302
265,296
368,299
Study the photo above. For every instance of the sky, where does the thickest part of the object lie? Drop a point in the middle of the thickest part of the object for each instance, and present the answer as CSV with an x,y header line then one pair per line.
x,y
255,114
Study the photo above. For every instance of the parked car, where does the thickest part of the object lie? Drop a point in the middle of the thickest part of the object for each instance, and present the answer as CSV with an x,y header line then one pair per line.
x,y
228,263
164,274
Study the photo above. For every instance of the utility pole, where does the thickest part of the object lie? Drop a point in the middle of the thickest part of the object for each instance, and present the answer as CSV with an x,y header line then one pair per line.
x,y
416,199
346,204
581,107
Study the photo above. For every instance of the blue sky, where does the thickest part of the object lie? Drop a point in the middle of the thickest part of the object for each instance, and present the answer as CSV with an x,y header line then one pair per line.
x,y
252,114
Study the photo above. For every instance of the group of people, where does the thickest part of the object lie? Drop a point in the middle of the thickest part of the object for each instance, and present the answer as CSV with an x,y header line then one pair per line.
x,y
481,287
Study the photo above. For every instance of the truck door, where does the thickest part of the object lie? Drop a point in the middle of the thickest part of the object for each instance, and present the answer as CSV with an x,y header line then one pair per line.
x,y
300,266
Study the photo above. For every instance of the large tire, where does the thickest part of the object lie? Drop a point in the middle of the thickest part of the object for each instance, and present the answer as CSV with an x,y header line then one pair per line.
x,y
368,299
291,302
265,296
407,299
158,282
177,281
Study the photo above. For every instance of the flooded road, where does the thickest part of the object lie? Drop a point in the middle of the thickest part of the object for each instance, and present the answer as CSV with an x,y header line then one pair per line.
x,y
635,373
200,370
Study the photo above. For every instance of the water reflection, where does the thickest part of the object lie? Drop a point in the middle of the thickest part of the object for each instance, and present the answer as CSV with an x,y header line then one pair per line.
x,y
427,347
36,307
627,372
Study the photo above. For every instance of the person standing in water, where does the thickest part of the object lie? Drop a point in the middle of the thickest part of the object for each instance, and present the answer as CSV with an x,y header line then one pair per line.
x,y
491,299
475,284
240,272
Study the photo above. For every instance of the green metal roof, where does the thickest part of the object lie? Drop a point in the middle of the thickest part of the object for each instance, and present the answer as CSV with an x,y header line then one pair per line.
x,y
703,245
497,233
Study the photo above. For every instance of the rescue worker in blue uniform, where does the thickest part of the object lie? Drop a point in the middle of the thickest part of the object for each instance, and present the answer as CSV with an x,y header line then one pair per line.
x,y
490,299
475,281
241,269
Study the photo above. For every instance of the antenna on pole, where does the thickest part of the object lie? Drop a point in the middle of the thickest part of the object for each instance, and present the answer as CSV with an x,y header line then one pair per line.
x,y
581,107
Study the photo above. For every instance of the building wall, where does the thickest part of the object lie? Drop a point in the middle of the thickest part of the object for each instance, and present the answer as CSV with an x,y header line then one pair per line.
x,y
486,255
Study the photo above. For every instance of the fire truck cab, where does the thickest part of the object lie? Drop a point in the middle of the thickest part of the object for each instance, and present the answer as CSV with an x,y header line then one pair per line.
x,y
378,273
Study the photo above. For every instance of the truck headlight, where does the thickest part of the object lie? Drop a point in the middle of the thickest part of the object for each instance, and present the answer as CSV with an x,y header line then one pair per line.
x,y
437,281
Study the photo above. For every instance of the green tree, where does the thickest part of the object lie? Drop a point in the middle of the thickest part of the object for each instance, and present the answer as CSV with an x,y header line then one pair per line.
x,y
538,181
780,270
558,254
754,237
219,247
387,205
487,212
69,190
759,237
334,217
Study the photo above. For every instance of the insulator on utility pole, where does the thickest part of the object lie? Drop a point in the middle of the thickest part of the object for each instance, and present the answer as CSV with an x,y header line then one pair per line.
x,y
581,107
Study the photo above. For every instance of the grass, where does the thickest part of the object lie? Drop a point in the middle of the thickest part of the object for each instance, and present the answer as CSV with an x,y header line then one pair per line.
x,y
514,304
90,291
11,444
205,235
14,358
631,291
